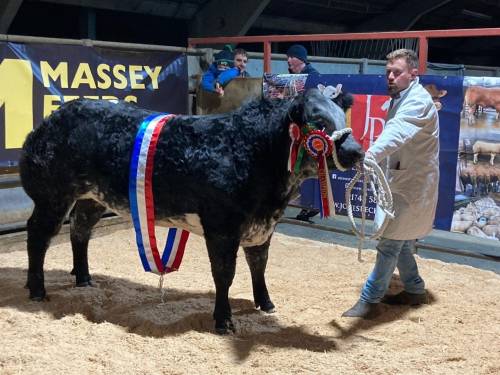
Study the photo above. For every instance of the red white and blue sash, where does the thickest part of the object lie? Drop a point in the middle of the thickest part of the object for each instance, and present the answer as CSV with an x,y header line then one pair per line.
x,y
142,203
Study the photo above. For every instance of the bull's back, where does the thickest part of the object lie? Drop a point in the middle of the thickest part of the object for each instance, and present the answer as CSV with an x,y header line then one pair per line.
x,y
81,140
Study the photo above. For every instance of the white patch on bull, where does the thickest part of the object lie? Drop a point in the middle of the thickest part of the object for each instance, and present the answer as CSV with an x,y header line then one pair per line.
x,y
189,222
255,235
94,194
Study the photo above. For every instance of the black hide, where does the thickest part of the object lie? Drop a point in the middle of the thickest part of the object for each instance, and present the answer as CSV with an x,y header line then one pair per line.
x,y
229,170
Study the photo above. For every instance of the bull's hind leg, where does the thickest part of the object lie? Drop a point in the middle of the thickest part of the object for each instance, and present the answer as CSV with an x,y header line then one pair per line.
x,y
222,253
44,223
83,217
256,257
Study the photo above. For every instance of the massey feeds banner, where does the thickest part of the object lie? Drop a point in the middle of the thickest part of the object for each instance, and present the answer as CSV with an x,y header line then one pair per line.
x,y
367,120
35,79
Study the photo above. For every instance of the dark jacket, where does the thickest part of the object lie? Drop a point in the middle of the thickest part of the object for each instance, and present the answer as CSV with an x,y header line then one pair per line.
x,y
308,69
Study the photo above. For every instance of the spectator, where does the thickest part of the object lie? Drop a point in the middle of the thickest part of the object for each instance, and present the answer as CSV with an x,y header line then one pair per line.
x,y
408,148
223,61
297,60
239,69
240,62
298,64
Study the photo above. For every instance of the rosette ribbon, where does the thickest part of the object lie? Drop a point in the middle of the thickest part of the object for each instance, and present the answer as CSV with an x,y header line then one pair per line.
x,y
319,146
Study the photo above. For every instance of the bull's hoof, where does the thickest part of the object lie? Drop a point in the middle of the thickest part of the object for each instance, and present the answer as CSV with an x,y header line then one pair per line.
x,y
39,296
83,281
226,327
84,284
267,307
35,284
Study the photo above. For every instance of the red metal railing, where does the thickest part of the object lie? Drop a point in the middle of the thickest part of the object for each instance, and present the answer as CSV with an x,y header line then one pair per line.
x,y
423,36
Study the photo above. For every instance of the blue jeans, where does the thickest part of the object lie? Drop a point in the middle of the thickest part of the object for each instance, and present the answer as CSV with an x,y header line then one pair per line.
x,y
392,253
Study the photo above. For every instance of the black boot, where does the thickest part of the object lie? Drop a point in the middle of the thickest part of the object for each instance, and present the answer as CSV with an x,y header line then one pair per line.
x,y
307,214
405,298
363,310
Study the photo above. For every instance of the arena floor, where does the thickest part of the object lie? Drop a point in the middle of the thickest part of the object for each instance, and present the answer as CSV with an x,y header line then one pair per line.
x,y
121,326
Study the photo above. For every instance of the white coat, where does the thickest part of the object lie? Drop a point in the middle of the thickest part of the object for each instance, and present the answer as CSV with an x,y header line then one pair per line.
x,y
408,151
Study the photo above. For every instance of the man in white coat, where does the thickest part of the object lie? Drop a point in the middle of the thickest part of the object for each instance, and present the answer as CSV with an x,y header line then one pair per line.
x,y
408,152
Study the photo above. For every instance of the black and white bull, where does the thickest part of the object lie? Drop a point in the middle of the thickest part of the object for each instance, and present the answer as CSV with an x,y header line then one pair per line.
x,y
221,176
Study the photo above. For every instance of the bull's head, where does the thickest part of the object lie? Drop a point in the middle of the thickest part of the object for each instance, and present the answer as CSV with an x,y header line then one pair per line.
x,y
315,110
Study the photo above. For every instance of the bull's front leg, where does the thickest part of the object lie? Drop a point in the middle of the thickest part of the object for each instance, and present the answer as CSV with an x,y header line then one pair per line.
x,y
222,253
256,257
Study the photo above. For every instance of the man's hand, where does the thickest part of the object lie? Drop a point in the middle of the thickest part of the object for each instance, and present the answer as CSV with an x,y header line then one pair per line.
x,y
369,159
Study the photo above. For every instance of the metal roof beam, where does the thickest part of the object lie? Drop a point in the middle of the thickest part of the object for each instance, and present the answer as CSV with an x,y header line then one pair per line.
x,y
403,17
8,10
219,17
177,9
295,26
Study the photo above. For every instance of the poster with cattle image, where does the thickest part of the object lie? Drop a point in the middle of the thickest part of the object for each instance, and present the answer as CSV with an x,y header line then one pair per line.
x,y
366,116
477,199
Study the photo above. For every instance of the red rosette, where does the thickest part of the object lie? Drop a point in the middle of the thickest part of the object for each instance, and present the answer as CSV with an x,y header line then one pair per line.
x,y
318,143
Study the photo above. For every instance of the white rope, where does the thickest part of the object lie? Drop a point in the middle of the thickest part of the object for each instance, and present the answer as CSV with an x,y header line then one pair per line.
x,y
372,174
336,135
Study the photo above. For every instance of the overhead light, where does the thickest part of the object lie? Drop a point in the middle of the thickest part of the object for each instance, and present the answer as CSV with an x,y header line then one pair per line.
x,y
478,15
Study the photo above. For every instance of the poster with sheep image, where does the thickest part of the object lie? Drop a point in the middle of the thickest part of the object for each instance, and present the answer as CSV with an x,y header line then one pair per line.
x,y
477,198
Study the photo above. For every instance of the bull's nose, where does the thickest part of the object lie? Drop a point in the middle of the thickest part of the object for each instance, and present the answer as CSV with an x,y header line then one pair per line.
x,y
350,152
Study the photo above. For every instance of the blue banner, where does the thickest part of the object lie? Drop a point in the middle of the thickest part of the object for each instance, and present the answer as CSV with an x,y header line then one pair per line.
x,y
367,119
35,79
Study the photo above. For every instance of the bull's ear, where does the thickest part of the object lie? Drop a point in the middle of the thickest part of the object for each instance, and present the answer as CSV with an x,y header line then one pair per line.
x,y
336,91
321,87
442,93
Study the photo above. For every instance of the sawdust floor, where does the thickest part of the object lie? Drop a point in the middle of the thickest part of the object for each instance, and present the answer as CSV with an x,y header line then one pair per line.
x,y
121,327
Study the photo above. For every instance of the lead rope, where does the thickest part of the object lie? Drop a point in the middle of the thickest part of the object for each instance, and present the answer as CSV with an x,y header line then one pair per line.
x,y
372,173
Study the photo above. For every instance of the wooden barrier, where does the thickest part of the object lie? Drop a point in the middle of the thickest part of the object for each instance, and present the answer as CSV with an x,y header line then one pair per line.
x,y
236,93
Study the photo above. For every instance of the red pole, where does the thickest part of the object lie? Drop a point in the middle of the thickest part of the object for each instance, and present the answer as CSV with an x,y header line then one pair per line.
x,y
423,51
267,57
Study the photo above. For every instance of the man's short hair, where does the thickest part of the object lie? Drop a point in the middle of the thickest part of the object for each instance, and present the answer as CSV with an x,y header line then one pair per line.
x,y
240,51
409,55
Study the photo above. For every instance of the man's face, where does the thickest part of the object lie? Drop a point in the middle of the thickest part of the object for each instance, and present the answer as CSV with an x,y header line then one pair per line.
x,y
399,75
295,65
240,61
